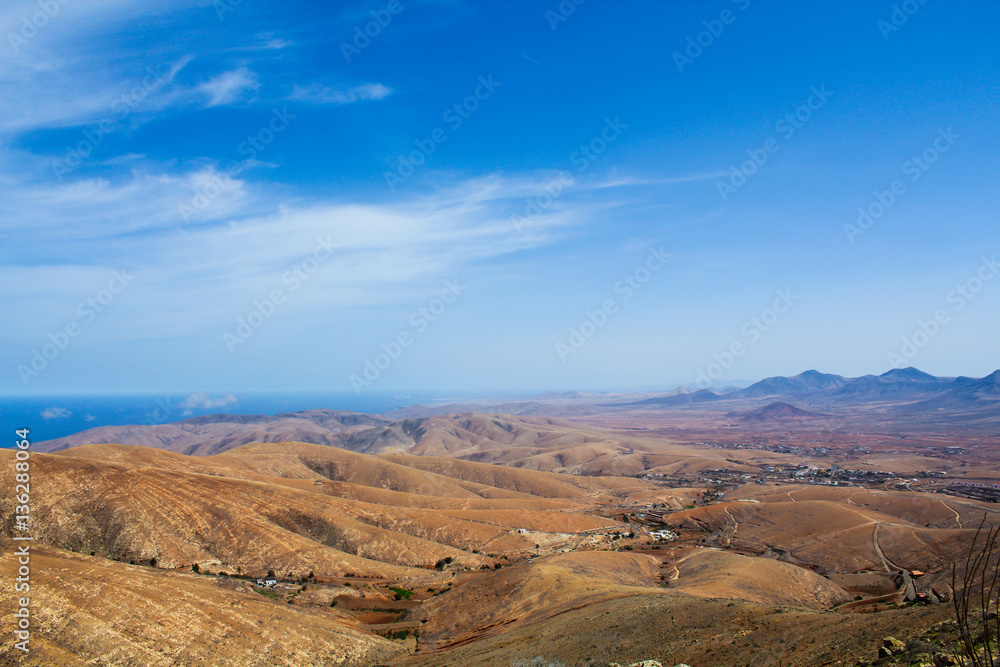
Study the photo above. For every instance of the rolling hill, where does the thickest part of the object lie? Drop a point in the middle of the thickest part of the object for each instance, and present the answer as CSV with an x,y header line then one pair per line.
x,y
530,443
306,508
491,564
780,411
88,610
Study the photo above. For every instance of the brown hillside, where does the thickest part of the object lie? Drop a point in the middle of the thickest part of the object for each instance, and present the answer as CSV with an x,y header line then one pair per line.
x,y
533,482
89,610
829,536
139,504
921,509
533,591
719,574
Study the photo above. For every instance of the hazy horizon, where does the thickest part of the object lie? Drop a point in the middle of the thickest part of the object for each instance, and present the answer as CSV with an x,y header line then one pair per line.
x,y
58,415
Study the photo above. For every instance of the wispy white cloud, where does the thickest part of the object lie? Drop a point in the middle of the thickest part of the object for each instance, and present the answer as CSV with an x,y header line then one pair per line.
x,y
318,93
193,277
266,42
67,95
229,87
617,181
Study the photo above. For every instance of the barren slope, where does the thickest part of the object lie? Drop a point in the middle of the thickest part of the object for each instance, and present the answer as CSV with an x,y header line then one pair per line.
x,y
531,443
533,591
601,608
921,509
830,536
89,610
720,574
275,506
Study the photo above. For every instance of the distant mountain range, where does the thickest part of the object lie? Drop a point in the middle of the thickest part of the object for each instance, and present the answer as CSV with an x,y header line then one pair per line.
x,y
797,384
898,384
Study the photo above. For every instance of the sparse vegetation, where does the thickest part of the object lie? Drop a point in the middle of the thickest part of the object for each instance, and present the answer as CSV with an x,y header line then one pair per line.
x,y
977,598
268,594
401,593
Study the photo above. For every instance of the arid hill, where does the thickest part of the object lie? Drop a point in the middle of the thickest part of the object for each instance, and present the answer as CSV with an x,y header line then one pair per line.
x,y
452,435
305,508
579,609
542,444
780,411
919,509
712,573
827,536
462,539
215,433
459,562
535,591
94,611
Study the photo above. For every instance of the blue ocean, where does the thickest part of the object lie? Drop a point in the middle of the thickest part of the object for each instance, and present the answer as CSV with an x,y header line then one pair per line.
x,y
57,416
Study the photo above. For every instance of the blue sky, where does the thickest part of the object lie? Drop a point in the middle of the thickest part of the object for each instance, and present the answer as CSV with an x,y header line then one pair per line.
x,y
481,197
